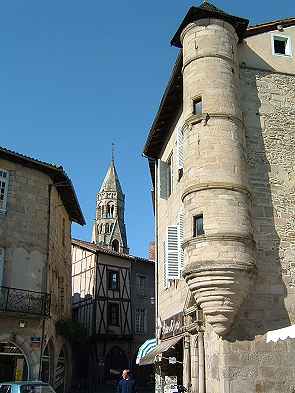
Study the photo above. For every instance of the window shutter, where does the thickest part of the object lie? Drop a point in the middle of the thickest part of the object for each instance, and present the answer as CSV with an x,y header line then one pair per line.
x,y
172,253
4,177
180,240
165,266
179,137
163,179
1,265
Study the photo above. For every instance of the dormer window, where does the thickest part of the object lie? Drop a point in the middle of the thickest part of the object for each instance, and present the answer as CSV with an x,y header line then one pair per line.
x,y
197,106
281,45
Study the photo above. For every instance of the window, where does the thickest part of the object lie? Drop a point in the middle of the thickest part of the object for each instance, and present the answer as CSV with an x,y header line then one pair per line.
x,y
198,225
61,294
115,245
165,177
63,231
197,106
141,284
140,321
1,265
170,175
180,219
113,314
172,253
281,45
113,280
110,210
3,189
179,137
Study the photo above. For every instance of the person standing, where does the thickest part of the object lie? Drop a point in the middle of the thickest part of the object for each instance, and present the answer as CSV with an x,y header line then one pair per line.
x,y
127,383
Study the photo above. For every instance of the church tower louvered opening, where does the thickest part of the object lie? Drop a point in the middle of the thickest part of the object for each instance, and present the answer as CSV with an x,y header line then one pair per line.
x,y
109,227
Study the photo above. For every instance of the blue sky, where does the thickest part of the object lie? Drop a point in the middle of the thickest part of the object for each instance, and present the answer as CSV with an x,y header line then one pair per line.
x,y
76,76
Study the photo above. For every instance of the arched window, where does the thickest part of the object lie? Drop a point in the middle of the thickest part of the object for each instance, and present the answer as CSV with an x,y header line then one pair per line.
x,y
107,228
102,211
99,212
115,245
111,228
100,228
110,210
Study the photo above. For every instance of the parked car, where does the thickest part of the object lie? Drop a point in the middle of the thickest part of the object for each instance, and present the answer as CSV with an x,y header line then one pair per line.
x,y
25,387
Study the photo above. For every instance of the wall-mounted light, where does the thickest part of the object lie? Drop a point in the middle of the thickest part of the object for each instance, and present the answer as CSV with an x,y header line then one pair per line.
x,y
22,324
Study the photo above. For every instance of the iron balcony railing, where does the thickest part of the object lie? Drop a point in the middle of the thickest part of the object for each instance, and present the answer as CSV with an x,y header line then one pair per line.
x,y
24,301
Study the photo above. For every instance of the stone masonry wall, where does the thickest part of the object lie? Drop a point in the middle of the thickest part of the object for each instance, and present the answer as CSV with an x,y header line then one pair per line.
x,y
23,235
246,363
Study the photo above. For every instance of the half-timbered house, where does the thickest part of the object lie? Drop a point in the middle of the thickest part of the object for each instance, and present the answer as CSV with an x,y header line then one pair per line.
x,y
113,292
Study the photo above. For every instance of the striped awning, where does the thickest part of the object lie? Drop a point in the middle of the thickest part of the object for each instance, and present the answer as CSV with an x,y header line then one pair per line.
x,y
148,356
146,348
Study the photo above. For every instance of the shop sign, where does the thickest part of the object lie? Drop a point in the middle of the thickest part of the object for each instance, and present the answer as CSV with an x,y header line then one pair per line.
x,y
172,326
172,360
35,342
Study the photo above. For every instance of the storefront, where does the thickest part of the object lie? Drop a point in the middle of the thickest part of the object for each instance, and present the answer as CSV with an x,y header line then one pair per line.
x,y
178,356
167,356
13,363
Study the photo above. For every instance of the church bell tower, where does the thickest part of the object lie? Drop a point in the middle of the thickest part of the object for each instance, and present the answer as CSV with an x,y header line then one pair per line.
x,y
109,229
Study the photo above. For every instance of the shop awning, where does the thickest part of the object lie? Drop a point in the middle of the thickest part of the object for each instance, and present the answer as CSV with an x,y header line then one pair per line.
x,y
146,348
149,357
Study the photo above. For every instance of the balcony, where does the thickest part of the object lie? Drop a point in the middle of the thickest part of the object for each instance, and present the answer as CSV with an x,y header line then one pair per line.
x,y
22,301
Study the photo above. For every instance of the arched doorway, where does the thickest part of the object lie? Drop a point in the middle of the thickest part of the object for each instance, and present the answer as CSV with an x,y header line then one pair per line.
x,y
13,363
47,362
116,361
60,372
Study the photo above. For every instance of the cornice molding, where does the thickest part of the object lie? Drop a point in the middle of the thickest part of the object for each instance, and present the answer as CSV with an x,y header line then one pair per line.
x,y
215,186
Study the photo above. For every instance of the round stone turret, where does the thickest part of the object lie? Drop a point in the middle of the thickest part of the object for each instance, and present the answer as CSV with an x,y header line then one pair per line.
x,y
219,247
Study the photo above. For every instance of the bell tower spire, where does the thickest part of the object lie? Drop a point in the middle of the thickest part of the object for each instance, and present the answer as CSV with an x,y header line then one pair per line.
x,y
109,226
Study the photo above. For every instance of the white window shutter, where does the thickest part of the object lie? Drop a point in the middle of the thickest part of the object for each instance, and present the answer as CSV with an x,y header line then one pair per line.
x,y
172,253
4,179
180,240
179,136
163,179
165,267
1,266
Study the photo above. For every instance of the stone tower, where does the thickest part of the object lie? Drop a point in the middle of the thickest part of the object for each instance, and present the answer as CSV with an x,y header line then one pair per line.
x,y
109,228
219,264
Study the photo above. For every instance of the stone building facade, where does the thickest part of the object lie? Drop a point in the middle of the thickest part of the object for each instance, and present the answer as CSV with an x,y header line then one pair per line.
x,y
221,154
113,295
38,204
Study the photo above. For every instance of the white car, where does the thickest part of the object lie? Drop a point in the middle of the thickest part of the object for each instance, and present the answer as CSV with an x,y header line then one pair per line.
x,y
25,387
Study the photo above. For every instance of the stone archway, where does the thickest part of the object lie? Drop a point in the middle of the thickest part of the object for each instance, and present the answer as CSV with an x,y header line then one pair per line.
x,y
47,362
62,375
13,362
115,362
